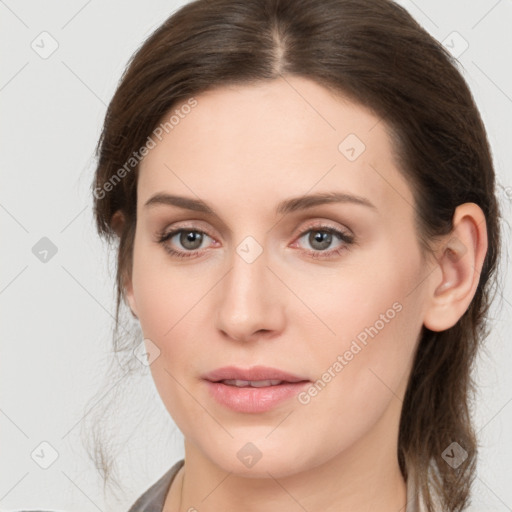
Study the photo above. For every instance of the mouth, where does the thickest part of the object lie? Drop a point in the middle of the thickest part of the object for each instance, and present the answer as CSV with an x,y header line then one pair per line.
x,y
254,390
251,383
258,375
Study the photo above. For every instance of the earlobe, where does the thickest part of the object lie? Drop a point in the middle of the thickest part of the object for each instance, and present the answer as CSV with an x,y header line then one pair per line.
x,y
131,299
460,259
117,223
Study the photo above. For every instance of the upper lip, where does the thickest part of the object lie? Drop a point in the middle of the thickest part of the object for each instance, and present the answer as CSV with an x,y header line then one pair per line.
x,y
254,373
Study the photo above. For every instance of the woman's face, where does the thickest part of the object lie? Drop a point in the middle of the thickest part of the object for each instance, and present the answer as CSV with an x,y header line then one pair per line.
x,y
329,292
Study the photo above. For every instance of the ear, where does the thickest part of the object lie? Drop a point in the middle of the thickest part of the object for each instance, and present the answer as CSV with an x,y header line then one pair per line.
x,y
460,258
117,223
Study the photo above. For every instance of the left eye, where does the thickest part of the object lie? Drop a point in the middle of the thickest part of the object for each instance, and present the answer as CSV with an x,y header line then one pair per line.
x,y
321,238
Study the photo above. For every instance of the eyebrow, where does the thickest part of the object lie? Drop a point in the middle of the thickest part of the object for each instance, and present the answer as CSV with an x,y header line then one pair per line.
x,y
287,206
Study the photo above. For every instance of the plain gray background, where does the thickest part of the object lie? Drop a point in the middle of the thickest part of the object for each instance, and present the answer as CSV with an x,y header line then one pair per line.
x,y
57,315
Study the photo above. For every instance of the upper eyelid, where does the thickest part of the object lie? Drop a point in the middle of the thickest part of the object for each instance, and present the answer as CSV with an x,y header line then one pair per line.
x,y
191,225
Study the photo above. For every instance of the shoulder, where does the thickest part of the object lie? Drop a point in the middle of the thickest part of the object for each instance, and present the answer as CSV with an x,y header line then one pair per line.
x,y
152,500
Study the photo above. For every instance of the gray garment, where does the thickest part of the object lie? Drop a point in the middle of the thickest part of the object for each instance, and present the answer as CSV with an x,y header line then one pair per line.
x,y
153,499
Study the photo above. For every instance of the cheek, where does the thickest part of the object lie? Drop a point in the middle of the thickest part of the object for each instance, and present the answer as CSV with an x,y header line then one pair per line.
x,y
363,370
158,291
373,316
166,316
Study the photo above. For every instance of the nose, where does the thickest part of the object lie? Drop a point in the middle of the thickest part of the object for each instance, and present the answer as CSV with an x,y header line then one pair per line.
x,y
251,302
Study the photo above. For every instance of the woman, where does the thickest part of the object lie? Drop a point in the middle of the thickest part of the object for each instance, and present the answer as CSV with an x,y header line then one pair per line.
x,y
304,200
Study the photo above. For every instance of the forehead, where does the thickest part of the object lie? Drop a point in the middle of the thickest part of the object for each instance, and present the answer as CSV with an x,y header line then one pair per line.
x,y
262,142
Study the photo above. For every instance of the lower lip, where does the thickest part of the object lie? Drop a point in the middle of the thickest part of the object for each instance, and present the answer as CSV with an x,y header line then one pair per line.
x,y
252,399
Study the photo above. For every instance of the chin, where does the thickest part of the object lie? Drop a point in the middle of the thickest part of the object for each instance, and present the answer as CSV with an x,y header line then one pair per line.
x,y
259,460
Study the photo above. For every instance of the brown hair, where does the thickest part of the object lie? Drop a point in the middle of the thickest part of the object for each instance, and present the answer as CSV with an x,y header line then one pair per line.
x,y
376,54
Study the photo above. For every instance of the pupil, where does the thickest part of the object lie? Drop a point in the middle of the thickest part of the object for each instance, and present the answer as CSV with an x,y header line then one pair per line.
x,y
323,238
190,238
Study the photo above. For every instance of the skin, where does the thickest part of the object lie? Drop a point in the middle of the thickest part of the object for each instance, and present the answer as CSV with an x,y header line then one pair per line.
x,y
242,150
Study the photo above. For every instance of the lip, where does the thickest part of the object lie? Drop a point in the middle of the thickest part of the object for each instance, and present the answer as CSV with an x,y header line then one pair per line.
x,y
253,399
253,373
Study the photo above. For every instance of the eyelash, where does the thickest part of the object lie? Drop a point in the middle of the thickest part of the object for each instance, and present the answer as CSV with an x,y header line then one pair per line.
x,y
347,240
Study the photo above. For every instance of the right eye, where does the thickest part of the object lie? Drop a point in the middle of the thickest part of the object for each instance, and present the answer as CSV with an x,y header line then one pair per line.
x,y
189,238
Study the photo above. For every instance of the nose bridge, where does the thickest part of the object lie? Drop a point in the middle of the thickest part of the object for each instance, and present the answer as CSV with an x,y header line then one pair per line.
x,y
247,304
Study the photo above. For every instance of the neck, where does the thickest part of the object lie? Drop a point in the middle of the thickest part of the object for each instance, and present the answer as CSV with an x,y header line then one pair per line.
x,y
315,490
364,477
